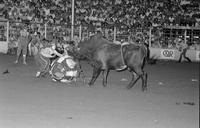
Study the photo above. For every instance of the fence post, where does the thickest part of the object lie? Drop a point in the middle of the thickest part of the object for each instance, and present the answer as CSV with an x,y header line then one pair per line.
x,y
192,36
7,32
80,32
150,37
106,33
45,30
87,33
185,36
72,18
115,33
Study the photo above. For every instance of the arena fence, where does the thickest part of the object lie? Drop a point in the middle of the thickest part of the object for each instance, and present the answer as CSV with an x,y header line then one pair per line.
x,y
161,41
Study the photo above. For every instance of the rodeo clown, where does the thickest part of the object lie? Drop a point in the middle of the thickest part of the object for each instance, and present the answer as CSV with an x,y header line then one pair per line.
x,y
44,56
51,59
64,68
23,41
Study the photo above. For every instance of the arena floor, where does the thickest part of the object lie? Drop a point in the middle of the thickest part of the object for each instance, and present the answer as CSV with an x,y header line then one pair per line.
x,y
172,99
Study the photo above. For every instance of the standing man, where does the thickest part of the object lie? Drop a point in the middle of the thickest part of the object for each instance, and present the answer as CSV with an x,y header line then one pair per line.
x,y
23,41
182,47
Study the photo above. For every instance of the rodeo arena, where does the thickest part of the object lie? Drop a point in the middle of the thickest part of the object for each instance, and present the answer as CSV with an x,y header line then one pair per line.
x,y
99,63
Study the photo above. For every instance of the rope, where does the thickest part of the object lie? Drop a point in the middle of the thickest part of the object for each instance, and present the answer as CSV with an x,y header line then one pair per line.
x,y
122,55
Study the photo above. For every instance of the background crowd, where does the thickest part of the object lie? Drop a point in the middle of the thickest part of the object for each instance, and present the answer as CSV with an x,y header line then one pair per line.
x,y
128,15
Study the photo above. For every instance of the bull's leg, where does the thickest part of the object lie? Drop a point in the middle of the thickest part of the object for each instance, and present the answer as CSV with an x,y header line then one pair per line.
x,y
133,81
81,73
144,81
105,77
141,74
144,88
96,72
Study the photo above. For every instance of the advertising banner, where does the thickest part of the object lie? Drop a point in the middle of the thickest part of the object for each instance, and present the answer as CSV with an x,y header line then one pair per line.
x,y
198,55
167,54
3,47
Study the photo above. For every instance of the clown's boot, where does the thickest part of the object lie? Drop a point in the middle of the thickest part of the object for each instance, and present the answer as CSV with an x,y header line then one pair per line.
x,y
38,74
17,59
24,59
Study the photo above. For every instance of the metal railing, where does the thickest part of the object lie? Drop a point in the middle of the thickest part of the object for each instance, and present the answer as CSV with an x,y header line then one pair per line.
x,y
9,31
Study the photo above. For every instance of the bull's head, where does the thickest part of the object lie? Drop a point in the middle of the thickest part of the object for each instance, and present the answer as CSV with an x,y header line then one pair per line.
x,y
73,51
84,49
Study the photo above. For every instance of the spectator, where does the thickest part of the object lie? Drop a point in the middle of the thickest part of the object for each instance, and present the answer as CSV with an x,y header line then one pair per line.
x,y
183,47
128,14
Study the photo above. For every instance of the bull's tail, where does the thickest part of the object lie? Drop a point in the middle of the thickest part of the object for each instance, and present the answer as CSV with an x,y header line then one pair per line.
x,y
29,49
148,59
147,51
144,53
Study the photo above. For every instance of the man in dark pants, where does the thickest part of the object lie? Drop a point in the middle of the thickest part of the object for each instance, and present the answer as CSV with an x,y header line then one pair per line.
x,y
183,47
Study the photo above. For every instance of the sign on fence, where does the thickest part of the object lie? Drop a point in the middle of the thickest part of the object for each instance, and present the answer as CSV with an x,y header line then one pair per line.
x,y
3,47
198,55
167,54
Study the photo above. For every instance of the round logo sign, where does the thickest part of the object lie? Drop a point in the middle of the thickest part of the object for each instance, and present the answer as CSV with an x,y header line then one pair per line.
x,y
198,55
168,53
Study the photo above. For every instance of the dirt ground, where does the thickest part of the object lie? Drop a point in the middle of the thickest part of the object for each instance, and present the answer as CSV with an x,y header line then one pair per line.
x,y
172,99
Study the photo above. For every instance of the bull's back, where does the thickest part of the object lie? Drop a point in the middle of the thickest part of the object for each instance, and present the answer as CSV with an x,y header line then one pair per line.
x,y
109,56
134,55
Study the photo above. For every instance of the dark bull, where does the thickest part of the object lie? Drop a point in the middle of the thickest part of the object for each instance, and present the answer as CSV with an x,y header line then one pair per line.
x,y
104,56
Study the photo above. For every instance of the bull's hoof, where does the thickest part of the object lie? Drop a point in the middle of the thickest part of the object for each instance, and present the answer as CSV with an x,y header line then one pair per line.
x,y
144,89
104,85
90,85
128,87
